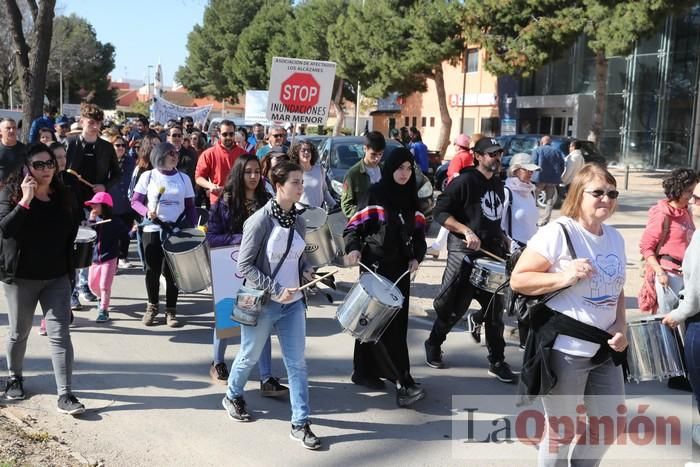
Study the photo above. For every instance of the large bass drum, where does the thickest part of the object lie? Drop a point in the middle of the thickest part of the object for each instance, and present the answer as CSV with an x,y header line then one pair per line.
x,y
654,351
369,307
187,254
320,249
82,247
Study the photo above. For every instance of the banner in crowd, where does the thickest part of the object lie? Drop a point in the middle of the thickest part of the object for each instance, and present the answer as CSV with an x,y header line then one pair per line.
x,y
164,111
256,107
300,91
225,282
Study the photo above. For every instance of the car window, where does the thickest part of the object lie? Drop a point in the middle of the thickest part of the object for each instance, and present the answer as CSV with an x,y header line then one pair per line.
x,y
526,145
344,156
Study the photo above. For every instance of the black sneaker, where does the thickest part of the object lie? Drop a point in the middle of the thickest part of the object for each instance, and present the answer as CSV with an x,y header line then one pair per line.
x,y
75,302
371,382
305,436
87,295
433,356
69,404
406,396
502,371
14,390
236,409
474,324
271,387
219,373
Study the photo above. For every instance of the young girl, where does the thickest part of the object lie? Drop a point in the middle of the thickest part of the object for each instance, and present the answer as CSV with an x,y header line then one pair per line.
x,y
110,230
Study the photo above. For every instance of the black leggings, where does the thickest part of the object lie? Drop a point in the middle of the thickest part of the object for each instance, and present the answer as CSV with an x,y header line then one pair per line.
x,y
128,220
155,264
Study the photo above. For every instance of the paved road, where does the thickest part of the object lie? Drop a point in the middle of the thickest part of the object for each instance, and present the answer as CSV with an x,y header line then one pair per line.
x,y
150,399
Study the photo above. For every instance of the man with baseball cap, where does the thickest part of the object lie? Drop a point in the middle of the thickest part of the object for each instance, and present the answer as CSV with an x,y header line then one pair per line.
x,y
471,208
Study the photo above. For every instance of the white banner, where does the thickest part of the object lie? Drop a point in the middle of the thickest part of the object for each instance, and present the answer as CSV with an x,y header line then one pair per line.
x,y
71,110
225,282
256,107
164,111
300,90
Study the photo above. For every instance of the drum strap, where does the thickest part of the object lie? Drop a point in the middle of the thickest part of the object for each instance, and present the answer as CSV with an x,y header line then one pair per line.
x,y
290,238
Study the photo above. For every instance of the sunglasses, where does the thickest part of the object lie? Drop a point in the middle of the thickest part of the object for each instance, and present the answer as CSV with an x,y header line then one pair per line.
x,y
120,145
41,165
176,135
612,194
279,135
226,135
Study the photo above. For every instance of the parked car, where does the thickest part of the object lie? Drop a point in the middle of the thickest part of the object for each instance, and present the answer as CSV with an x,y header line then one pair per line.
x,y
316,140
339,153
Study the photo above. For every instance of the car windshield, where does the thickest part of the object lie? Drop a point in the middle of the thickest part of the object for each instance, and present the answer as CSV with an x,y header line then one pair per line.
x,y
344,156
526,145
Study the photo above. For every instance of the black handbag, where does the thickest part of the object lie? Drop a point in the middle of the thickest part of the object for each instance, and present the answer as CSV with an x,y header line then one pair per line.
x,y
250,300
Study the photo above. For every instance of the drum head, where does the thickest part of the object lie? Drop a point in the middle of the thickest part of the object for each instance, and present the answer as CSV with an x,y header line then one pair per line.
x,y
85,235
490,265
184,240
314,217
381,290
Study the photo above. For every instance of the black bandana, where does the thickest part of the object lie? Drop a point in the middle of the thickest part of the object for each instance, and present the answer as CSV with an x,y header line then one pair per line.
x,y
286,219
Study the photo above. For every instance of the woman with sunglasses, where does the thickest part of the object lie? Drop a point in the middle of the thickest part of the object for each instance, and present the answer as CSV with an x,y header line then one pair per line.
x,y
39,218
242,195
578,337
120,198
162,195
315,188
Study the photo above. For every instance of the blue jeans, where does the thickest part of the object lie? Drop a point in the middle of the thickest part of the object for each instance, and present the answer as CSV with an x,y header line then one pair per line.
x,y
692,356
289,320
264,364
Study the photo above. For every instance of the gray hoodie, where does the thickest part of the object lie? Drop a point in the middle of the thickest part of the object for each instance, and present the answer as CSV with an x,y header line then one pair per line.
x,y
252,260
689,304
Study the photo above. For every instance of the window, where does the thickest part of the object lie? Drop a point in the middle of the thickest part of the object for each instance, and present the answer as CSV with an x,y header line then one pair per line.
x,y
415,120
472,61
406,121
424,122
432,121
392,123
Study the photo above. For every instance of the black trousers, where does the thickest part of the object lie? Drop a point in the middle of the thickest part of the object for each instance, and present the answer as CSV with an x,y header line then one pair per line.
x,y
154,259
388,358
453,300
128,220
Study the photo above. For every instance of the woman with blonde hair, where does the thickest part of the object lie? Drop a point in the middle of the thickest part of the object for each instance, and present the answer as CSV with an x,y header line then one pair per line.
x,y
577,339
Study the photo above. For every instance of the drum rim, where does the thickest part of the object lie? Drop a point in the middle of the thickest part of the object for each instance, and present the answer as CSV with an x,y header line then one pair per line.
x,y
391,287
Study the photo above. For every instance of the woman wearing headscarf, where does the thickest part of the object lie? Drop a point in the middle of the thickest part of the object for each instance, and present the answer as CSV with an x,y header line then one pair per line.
x,y
170,201
388,234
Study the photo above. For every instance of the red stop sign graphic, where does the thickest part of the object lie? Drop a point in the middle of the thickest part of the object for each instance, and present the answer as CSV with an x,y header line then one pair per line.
x,y
299,92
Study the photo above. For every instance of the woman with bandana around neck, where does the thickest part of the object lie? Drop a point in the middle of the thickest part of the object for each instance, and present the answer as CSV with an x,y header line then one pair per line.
x,y
170,198
389,235
271,258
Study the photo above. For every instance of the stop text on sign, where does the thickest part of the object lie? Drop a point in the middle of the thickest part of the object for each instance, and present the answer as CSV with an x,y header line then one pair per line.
x,y
296,92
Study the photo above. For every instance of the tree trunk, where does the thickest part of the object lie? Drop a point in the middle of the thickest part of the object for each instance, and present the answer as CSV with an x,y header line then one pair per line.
x,y
601,88
446,120
338,107
32,64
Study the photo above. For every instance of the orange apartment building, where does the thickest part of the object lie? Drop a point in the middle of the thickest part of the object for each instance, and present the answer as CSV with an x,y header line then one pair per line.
x,y
473,111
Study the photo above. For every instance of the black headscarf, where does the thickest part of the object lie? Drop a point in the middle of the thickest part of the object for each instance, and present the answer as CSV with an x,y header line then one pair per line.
x,y
400,197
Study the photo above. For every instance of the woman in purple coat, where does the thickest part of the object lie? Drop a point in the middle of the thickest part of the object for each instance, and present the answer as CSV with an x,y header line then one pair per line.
x,y
243,194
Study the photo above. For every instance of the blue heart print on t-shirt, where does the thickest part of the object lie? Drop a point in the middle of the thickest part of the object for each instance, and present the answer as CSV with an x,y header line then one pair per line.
x,y
609,264
604,283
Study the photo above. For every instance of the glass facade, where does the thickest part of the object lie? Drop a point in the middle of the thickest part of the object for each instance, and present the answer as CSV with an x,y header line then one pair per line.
x,y
652,94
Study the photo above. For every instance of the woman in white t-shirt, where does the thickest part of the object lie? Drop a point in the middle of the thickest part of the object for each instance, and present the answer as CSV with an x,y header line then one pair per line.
x,y
520,219
593,295
271,258
162,195
315,187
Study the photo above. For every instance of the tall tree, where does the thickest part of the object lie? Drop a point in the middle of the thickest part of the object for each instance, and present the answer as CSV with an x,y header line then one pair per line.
x,y
520,36
212,43
84,61
32,57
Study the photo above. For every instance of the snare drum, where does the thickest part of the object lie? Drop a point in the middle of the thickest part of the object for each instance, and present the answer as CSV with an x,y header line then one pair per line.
x,y
369,307
187,254
320,249
654,351
487,274
82,247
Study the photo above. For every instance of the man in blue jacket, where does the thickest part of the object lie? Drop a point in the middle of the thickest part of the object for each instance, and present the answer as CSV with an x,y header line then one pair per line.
x,y
551,161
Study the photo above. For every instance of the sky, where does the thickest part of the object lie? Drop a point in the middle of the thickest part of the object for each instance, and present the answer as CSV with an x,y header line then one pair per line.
x,y
143,32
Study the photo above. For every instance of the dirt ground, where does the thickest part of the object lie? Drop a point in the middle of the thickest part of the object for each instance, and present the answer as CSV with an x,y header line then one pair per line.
x,y
22,445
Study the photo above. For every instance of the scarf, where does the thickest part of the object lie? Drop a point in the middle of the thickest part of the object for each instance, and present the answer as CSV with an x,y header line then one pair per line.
x,y
286,219
518,186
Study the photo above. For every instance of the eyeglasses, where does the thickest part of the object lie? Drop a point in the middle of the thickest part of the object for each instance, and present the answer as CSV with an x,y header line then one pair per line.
x,y
41,165
172,153
120,145
176,135
226,135
694,199
495,153
278,135
612,194
305,150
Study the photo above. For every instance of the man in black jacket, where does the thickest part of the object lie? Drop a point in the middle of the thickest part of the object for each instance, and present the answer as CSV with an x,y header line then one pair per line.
x,y
95,160
471,208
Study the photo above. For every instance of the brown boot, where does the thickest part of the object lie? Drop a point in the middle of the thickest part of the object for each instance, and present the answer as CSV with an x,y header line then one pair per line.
x,y
170,318
149,316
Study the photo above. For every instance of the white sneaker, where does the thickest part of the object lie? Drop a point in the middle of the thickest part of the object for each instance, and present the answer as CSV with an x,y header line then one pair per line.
x,y
124,264
433,252
696,434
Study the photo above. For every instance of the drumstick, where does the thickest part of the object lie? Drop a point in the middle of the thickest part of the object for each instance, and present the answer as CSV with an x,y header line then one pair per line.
x,y
318,279
101,222
498,258
81,179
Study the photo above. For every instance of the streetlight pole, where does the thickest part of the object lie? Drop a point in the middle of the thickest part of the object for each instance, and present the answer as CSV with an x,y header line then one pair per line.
x,y
149,81
60,83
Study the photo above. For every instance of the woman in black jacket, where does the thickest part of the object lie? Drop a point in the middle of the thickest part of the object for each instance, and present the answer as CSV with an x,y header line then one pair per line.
x,y
388,234
38,225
